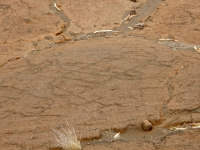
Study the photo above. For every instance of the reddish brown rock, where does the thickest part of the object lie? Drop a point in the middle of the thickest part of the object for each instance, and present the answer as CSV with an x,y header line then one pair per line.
x,y
173,20
107,84
196,117
146,125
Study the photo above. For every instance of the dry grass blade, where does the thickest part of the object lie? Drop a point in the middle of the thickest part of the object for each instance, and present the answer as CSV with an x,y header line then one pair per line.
x,y
99,31
55,5
197,49
67,139
168,40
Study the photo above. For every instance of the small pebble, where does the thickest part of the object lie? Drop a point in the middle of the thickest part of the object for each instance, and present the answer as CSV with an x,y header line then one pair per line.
x,y
147,126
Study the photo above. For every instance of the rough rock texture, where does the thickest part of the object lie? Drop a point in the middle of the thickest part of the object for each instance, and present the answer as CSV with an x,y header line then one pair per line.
x,y
96,86
175,19
24,25
28,26
101,86
95,14
147,126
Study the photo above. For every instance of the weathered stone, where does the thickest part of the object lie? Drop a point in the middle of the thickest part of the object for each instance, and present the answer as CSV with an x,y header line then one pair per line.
x,y
196,117
146,125
175,27
43,44
101,83
67,36
58,39
75,29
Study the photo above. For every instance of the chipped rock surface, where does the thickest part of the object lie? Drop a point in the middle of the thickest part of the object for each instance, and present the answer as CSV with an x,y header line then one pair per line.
x,y
26,23
175,19
54,69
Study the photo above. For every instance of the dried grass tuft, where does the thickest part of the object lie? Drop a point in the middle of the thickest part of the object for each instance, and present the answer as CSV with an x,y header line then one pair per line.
x,y
67,139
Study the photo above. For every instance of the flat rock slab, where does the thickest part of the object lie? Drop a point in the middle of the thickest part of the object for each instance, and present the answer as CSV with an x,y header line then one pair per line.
x,y
176,20
28,26
100,86
105,84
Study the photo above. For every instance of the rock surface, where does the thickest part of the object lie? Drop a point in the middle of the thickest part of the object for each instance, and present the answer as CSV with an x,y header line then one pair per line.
x,y
175,19
146,125
53,68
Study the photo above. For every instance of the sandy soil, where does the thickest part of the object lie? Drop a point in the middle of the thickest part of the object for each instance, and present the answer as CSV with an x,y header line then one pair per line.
x,y
54,68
